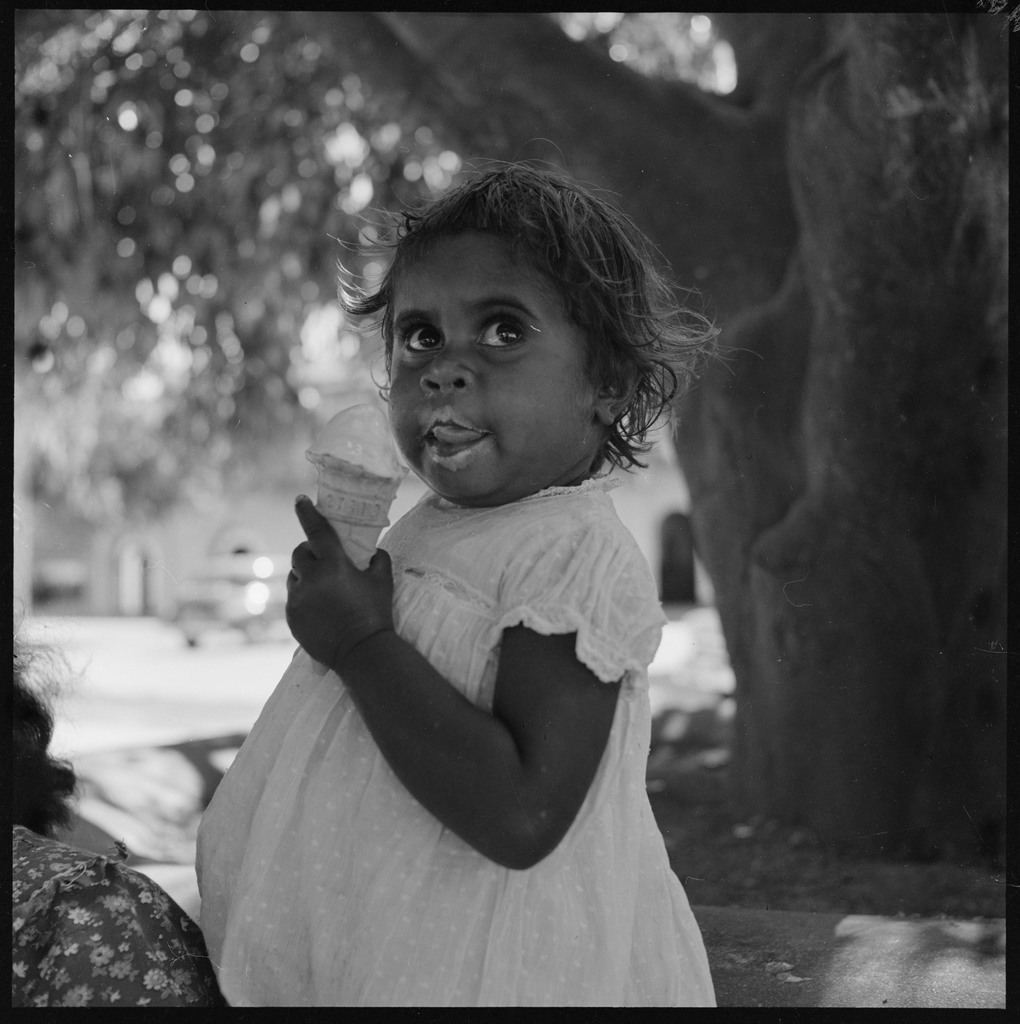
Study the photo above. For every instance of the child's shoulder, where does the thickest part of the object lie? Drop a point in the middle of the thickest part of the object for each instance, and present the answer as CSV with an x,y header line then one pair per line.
x,y
569,529
569,513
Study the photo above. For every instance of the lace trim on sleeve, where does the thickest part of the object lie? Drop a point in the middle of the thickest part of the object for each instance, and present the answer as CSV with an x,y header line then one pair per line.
x,y
598,652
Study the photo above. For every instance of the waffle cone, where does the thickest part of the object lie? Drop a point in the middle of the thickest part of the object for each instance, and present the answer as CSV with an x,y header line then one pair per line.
x,y
355,502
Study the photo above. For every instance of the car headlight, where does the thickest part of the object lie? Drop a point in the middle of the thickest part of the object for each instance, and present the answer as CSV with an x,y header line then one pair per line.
x,y
256,597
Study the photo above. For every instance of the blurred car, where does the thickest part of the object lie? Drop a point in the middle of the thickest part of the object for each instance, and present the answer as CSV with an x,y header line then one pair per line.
x,y
242,591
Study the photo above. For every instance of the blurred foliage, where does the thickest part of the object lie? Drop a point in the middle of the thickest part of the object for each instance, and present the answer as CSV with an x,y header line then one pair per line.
x,y
185,183
664,44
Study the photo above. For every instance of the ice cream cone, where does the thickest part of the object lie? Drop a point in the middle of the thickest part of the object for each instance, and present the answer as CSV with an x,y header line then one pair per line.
x,y
358,477
356,503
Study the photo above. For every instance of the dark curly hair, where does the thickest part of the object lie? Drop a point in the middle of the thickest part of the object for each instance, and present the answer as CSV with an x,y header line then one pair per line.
x,y
42,785
642,343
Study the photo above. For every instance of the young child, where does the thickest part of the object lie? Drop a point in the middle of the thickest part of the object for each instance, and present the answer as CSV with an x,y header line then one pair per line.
x,y
456,814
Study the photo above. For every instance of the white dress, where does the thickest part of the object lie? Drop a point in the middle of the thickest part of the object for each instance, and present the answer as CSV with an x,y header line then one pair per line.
x,y
324,882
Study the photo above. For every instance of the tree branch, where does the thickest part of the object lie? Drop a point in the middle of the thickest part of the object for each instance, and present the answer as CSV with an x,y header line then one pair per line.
x,y
705,179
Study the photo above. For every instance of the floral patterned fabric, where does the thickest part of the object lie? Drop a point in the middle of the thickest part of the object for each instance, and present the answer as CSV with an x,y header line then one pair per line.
x,y
88,931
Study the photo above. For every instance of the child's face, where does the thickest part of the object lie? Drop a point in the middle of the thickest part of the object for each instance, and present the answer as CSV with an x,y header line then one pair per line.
x,y
490,400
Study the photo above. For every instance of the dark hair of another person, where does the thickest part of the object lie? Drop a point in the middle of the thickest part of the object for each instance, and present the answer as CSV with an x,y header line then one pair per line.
x,y
42,785
642,343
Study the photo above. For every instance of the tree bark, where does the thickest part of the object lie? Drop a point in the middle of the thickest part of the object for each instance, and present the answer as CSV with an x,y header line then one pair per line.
x,y
863,595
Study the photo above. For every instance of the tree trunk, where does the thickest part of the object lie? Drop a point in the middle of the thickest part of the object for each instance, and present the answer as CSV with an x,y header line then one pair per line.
x,y
852,511
844,215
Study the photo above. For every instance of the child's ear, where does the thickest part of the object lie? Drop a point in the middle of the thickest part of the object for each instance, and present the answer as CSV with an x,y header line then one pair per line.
x,y
610,401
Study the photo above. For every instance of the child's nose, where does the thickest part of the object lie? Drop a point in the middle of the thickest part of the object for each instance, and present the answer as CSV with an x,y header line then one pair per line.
x,y
443,376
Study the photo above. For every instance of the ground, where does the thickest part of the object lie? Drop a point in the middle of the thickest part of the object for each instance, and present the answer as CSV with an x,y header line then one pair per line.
x,y
725,860
728,862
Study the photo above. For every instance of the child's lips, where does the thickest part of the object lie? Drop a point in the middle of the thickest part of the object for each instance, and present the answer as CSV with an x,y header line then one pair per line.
x,y
454,445
455,434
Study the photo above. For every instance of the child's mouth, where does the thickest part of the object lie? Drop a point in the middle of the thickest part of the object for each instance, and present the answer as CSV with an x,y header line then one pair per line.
x,y
446,440
455,434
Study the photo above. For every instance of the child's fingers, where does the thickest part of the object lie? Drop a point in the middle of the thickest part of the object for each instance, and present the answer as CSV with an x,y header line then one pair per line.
x,y
302,559
380,564
321,536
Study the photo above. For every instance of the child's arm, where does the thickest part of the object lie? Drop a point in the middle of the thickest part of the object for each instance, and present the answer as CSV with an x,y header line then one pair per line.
x,y
508,783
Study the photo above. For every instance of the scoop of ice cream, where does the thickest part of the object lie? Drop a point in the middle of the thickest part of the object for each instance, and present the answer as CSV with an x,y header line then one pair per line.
x,y
361,437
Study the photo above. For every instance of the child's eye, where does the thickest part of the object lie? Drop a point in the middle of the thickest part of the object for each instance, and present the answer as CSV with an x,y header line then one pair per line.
x,y
422,339
502,333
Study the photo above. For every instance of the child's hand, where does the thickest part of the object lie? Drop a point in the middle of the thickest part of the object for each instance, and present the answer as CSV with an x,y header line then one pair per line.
x,y
331,605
